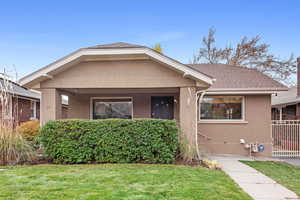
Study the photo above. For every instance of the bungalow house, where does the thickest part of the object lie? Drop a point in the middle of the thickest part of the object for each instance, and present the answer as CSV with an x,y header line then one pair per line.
x,y
24,104
220,106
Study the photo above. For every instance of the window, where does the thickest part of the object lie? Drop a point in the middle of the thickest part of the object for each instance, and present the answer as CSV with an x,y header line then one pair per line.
x,y
32,110
64,99
222,108
112,108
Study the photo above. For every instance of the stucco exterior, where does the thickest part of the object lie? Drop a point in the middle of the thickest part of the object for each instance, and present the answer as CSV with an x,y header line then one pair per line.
x,y
118,74
141,73
224,138
126,78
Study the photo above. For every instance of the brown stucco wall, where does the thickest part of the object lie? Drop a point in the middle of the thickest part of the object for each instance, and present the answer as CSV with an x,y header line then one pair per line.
x,y
118,74
50,105
224,138
141,74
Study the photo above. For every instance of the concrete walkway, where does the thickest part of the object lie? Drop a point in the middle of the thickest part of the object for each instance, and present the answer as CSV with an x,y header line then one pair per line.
x,y
292,161
256,184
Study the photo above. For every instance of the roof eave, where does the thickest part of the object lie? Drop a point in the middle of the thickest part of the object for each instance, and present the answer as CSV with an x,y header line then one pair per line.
x,y
245,90
44,72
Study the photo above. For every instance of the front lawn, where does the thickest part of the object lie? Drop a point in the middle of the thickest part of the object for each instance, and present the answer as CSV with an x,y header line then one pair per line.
x,y
116,181
283,173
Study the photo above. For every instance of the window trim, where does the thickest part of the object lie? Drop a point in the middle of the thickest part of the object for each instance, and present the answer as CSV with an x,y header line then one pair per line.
x,y
93,98
242,120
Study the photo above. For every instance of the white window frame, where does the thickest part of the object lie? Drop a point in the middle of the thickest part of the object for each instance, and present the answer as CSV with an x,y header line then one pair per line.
x,y
64,96
34,110
242,120
105,98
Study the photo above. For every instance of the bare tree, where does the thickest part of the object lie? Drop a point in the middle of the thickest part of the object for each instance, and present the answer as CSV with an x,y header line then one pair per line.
x,y
209,53
248,53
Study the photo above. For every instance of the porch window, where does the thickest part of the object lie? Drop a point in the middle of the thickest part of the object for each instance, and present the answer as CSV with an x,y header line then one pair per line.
x,y
112,108
222,108
32,110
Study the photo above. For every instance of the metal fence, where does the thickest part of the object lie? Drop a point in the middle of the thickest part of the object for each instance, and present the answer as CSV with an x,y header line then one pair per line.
x,y
286,138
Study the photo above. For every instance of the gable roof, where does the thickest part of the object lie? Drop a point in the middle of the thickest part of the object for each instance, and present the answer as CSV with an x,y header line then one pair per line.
x,y
229,77
119,48
286,97
116,45
21,91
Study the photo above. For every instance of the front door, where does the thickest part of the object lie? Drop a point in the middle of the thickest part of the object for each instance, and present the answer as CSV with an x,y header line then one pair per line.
x,y
162,107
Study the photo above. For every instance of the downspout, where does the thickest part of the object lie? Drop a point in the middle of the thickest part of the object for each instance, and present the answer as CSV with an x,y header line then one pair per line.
x,y
198,102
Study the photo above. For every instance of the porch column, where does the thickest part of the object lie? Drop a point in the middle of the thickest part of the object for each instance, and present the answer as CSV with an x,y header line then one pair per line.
x,y
50,105
280,113
188,115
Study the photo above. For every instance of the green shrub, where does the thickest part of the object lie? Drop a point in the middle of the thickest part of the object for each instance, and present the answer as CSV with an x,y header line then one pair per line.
x,y
110,141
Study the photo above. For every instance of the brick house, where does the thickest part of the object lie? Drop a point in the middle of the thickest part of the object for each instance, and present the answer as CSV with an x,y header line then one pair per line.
x,y
24,104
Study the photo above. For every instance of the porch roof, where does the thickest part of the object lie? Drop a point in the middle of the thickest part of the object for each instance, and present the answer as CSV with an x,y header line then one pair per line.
x,y
114,49
286,98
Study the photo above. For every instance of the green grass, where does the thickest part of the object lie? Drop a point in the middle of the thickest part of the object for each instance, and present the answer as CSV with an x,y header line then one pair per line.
x,y
283,173
116,181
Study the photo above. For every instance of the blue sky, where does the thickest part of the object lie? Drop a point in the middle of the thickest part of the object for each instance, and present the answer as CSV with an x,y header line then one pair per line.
x,y
35,33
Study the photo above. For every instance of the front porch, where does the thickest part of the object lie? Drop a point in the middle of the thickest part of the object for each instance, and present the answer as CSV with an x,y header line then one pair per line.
x,y
178,103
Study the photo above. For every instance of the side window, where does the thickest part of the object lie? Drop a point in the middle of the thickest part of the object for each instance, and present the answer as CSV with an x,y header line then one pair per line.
x,y
222,108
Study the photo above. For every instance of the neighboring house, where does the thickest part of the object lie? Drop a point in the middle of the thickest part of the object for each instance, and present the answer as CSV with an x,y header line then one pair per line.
x,y
286,105
123,80
24,104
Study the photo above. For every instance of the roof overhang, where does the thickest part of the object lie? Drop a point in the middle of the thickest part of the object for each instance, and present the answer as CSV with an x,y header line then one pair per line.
x,y
280,105
250,91
81,54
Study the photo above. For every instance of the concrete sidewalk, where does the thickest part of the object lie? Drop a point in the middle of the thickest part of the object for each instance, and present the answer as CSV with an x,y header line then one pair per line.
x,y
292,161
256,184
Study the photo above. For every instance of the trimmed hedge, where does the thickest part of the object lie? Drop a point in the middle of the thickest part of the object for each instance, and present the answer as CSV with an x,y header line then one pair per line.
x,y
110,141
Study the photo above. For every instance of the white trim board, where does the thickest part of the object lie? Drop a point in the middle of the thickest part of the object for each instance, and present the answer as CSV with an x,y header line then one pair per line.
x,y
187,71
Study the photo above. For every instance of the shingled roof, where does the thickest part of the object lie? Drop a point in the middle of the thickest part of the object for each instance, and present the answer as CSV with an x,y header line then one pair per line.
x,y
235,77
116,45
286,97
21,91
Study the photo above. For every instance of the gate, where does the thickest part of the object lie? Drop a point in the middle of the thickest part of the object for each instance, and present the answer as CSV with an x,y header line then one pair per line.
x,y
286,138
